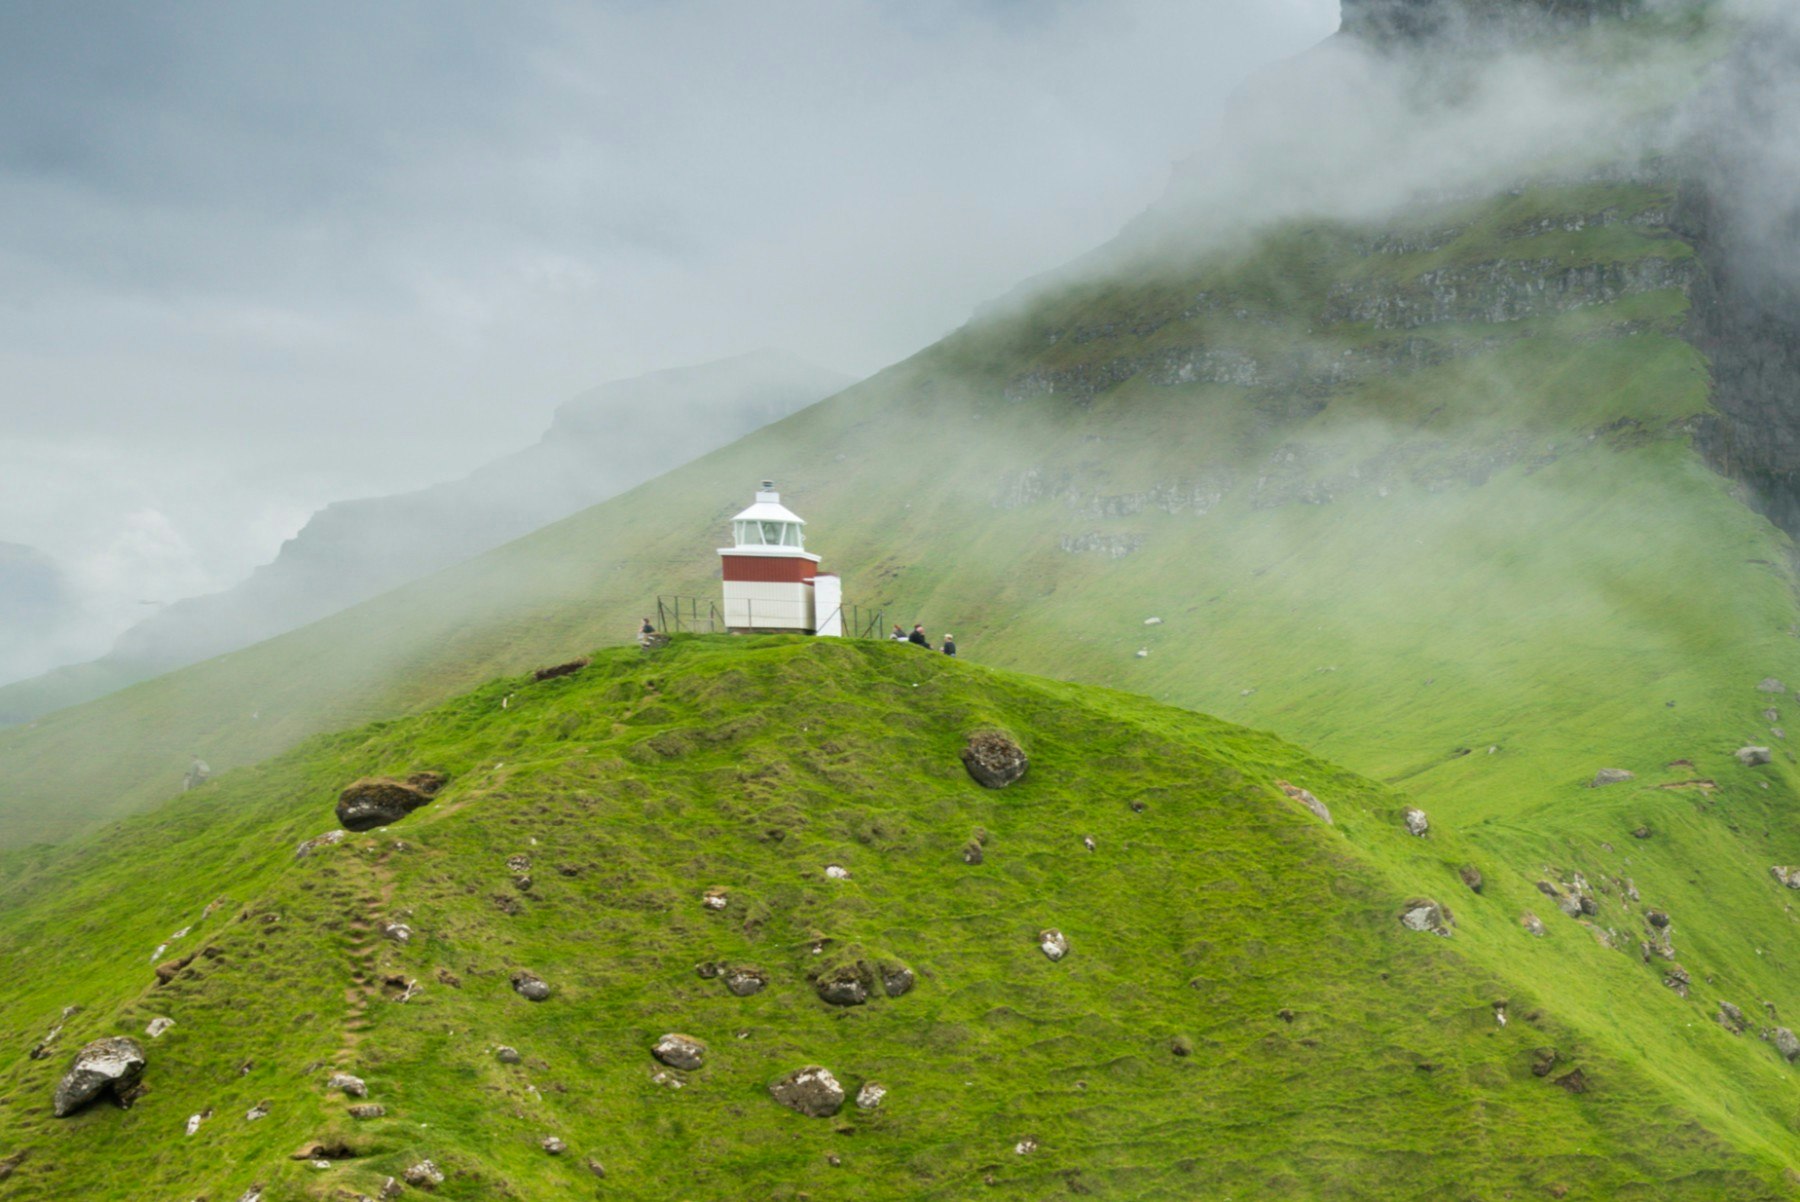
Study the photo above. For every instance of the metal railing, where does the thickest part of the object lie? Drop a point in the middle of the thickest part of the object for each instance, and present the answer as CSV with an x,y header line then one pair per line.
x,y
698,615
688,615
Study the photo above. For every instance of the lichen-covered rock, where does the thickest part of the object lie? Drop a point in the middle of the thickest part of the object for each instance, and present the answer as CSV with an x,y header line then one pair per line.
x,y
1610,776
530,986
553,1145
1306,799
1753,757
1787,1043
842,986
398,932
994,759
1656,918
381,801
1732,1018
317,842
743,981
715,898
896,980
1677,979
423,1175
1053,943
680,1051
113,1065
1425,915
1417,824
1471,876
159,1027
1787,876
1771,685
347,1084
870,1095
506,1055
368,1110
811,1091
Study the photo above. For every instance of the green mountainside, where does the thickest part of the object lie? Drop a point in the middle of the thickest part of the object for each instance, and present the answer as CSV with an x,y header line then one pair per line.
x,y
1240,1013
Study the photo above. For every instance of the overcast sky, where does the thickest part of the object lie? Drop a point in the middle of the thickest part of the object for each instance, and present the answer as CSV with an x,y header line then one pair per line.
x,y
256,257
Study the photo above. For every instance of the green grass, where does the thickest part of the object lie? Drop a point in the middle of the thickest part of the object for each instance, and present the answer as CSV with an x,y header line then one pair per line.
x,y
752,764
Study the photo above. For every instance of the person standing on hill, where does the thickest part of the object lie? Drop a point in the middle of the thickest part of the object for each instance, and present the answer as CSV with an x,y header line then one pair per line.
x,y
917,637
950,645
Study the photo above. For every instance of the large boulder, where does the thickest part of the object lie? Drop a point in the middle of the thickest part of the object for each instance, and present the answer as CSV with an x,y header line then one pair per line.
x,y
1787,876
680,1051
113,1065
845,985
1425,915
1753,757
994,759
811,1091
1416,822
381,800
743,981
1053,943
1787,1043
530,986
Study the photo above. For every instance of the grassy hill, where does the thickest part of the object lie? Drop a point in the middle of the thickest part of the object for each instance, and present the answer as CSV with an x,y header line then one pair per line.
x,y
1241,1013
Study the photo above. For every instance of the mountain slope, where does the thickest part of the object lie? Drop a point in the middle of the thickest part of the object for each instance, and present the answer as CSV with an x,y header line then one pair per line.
x,y
600,443
1240,1013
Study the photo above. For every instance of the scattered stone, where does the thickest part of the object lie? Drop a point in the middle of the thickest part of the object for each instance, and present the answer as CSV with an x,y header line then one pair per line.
x,y
166,971
530,986
368,1110
595,1167
1053,943
897,980
399,932
972,853
1026,1146
159,1027
1678,980
837,872
194,1120
1471,876
1087,841
1610,776
253,1194
257,1112
518,864
381,801
1753,757
994,760
446,977
506,1055
1771,685
680,1051
1787,1043
317,842
1137,806
1732,1019
1656,918
1575,1081
842,986
811,1091
1153,621
347,1084
715,898
1778,732
870,1095
112,1065
1425,915
666,1080
1142,653
1181,1046
423,1175
1416,822
568,669
1642,832
743,982
554,1146
1542,1061
1306,799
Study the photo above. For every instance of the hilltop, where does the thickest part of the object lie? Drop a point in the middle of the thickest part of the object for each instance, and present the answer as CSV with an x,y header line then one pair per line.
x,y
1240,1011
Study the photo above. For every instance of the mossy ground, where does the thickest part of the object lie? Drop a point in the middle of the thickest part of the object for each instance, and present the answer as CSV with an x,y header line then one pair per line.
x,y
1205,911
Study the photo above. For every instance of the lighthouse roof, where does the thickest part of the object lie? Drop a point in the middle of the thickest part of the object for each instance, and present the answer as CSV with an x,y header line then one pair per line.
x,y
768,508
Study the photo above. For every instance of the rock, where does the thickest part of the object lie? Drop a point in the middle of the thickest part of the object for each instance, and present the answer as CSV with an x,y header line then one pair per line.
x,y
1181,1046
113,1065
1053,943
1416,822
1574,1081
595,1167
972,853
1787,1043
346,1084
1642,832
743,982
380,800
568,669
1787,876
1471,876
257,1112
1752,757
1425,915
368,1110
1732,1019
158,1027
1142,653
554,1146
1656,918
842,986
530,986
1306,799
518,864
1678,980
319,841
1587,905
896,980
194,1120
423,1175
399,932
1771,685
680,1051
994,759
1153,621
166,971
870,1095
837,872
446,977
811,1091
1026,1146
715,898
1771,715
1087,841
1542,1061
253,1194
1610,776
506,1055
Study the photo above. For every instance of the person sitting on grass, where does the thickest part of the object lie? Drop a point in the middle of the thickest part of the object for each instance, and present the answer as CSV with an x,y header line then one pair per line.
x,y
917,637
950,645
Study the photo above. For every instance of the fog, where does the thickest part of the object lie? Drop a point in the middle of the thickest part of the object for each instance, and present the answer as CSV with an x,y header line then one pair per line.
x,y
257,258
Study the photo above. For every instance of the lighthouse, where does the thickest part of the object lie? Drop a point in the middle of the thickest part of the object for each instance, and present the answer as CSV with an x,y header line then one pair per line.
x,y
771,582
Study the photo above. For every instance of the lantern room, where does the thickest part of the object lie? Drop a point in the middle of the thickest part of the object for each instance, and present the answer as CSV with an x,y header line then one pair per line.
x,y
770,579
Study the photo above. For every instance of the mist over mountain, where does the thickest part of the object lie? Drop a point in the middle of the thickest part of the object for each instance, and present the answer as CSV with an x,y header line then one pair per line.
x,y
35,606
599,444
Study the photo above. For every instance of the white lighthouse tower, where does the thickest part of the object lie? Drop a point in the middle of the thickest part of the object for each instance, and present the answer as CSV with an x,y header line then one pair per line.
x,y
771,583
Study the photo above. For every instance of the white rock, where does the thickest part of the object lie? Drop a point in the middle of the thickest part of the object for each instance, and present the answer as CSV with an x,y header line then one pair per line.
x,y
715,899
1026,1146
1153,621
1053,943
870,1095
194,1121
158,1026
837,872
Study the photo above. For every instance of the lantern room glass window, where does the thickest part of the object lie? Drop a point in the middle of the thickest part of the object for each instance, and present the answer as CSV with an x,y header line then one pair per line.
x,y
770,534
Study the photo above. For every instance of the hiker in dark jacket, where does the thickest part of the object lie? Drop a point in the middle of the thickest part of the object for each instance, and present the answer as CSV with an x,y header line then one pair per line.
x,y
950,644
899,635
917,637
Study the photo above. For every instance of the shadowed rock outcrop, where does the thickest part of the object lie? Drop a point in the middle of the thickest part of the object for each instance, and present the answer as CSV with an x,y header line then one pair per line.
x,y
113,1065
994,759
380,800
811,1091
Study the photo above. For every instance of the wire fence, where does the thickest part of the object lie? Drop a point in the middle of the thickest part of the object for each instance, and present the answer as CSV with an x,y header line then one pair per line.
x,y
700,615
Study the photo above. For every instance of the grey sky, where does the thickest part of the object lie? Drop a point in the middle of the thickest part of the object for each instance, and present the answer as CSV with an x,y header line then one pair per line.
x,y
255,257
